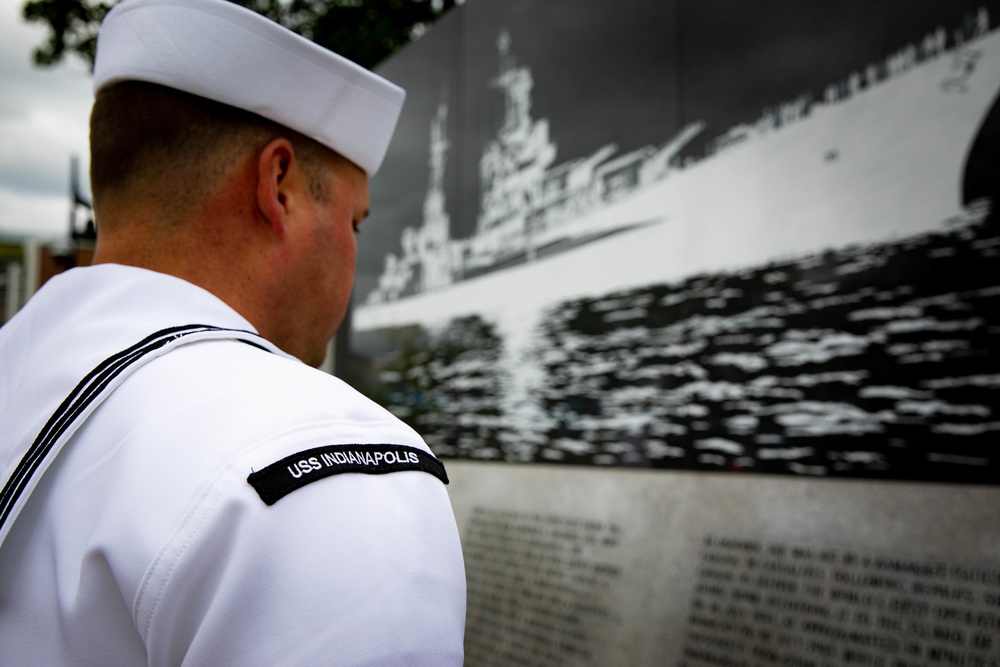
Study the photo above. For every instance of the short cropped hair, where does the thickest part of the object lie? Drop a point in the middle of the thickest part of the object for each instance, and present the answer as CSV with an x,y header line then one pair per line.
x,y
168,148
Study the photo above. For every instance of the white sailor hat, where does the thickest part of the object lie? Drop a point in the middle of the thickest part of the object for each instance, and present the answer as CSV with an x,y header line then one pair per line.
x,y
223,52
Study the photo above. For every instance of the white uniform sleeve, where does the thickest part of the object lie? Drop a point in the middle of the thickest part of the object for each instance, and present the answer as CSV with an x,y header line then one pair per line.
x,y
353,569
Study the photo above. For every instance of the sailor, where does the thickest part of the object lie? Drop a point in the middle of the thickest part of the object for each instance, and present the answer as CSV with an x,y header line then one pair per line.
x,y
178,486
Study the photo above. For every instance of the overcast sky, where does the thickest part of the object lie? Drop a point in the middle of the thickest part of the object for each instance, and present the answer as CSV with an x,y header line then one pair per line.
x,y
43,121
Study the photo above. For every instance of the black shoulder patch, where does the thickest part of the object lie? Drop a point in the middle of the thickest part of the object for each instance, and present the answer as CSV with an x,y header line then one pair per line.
x,y
293,472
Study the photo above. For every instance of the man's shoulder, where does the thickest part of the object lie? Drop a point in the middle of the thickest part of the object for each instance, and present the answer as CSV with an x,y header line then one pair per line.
x,y
252,386
189,429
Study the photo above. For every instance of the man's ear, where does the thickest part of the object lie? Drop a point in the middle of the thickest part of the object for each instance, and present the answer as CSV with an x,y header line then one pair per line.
x,y
275,164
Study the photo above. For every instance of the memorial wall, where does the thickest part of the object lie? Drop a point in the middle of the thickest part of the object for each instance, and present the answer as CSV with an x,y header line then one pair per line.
x,y
699,302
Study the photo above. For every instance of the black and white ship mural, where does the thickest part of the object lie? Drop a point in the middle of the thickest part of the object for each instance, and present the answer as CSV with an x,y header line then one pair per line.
x,y
694,276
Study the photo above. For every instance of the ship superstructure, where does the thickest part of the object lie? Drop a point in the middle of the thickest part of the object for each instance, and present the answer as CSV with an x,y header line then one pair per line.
x,y
526,202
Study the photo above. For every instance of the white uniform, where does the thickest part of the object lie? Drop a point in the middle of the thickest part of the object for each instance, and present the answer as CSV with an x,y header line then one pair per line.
x,y
144,541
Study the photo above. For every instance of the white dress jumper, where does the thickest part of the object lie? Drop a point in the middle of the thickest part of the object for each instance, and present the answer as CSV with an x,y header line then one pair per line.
x,y
145,543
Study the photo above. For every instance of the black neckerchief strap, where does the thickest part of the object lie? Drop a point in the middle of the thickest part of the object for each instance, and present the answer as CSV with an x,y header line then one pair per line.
x,y
84,399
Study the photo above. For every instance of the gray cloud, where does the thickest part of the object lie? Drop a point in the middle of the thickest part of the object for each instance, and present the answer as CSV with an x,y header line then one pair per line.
x,y
43,122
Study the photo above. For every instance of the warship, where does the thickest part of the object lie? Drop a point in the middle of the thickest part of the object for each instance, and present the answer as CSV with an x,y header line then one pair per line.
x,y
876,156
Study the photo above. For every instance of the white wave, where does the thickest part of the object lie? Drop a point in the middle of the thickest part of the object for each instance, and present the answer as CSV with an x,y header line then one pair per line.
x,y
720,445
